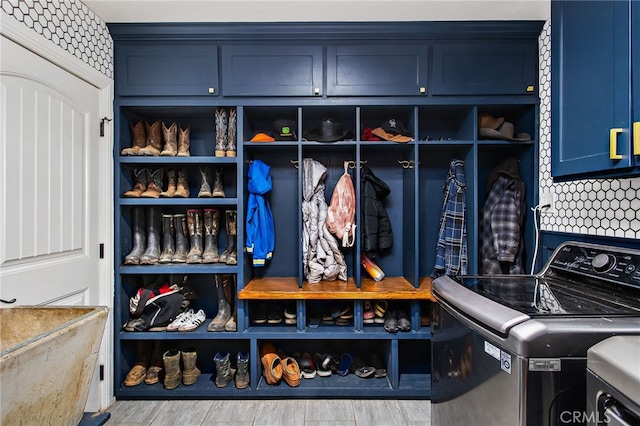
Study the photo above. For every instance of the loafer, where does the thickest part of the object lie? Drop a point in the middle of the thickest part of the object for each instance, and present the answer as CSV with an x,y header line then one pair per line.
x,y
271,364
136,375
291,372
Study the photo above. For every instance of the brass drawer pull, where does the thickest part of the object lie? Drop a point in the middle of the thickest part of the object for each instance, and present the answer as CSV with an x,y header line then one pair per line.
x,y
613,144
636,138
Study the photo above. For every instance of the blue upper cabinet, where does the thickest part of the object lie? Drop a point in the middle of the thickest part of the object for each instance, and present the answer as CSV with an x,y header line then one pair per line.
x,y
485,67
167,69
380,70
263,70
591,118
635,66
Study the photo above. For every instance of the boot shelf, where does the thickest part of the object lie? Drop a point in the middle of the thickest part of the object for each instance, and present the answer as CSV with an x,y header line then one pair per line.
x,y
180,268
194,159
287,288
175,201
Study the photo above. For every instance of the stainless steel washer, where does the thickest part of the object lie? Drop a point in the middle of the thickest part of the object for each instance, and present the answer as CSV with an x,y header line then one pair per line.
x,y
512,349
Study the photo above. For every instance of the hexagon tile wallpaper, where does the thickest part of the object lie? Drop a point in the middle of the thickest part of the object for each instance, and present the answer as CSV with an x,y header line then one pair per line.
x,y
602,207
69,24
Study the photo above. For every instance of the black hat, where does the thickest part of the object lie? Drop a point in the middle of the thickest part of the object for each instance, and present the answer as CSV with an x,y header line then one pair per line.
x,y
284,130
393,130
330,130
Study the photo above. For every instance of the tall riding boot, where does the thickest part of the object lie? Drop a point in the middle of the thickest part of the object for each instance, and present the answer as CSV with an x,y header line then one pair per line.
x,y
168,238
183,142
182,246
205,189
231,133
151,255
221,132
154,183
139,183
194,224
170,141
172,181
229,255
155,366
230,296
172,373
154,139
224,372
182,188
138,228
211,226
190,372
138,137
224,309
218,190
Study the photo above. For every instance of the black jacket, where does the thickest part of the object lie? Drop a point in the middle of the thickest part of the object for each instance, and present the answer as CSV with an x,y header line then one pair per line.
x,y
376,227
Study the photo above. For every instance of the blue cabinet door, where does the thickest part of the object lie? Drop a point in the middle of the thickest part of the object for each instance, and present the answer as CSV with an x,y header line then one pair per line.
x,y
382,70
635,67
282,70
167,69
486,67
590,87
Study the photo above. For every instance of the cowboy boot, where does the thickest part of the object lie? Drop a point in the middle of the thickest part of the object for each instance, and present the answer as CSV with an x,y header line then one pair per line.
x,y
224,372
139,137
190,373
182,248
182,188
155,366
224,309
170,142
218,190
229,255
154,184
173,375
150,256
231,133
183,142
221,132
194,224
140,183
171,184
211,226
154,139
205,189
139,236
168,238
230,296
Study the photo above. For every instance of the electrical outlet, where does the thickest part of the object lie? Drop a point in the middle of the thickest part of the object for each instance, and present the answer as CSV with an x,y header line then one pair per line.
x,y
548,198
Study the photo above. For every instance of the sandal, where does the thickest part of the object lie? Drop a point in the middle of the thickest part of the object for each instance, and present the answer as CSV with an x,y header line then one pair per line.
x,y
380,309
345,364
368,314
362,370
260,316
376,363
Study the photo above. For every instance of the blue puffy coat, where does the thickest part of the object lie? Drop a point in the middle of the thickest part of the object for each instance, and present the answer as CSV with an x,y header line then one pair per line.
x,y
260,238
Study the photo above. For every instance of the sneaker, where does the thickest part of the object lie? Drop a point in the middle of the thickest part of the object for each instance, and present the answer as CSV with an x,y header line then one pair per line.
x,y
323,364
307,366
180,319
193,321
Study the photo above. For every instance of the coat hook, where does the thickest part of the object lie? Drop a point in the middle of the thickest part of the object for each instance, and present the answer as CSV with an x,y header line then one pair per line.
x,y
406,164
295,163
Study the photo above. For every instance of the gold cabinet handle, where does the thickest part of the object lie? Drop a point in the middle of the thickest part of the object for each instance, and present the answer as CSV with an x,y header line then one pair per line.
x,y
636,138
613,144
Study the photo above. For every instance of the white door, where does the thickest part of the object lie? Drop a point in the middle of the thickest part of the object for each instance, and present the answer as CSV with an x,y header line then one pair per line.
x,y
49,163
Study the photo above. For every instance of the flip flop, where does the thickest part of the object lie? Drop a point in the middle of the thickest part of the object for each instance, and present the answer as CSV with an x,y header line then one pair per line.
x,y
368,314
345,364
380,309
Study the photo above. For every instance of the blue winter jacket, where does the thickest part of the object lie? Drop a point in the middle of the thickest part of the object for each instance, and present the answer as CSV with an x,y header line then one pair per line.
x,y
260,240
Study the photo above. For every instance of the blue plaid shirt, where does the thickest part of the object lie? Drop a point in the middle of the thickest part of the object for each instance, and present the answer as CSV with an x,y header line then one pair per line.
x,y
451,250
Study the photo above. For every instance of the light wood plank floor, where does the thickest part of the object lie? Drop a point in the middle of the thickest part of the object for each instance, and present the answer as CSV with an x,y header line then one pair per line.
x,y
299,412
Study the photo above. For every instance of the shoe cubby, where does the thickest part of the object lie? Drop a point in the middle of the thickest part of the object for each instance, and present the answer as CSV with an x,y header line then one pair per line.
x,y
407,141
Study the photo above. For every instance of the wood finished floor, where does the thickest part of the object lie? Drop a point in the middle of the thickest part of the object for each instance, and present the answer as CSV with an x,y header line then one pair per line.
x,y
299,412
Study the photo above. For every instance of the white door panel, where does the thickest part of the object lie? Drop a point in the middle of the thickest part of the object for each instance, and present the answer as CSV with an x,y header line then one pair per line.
x,y
48,145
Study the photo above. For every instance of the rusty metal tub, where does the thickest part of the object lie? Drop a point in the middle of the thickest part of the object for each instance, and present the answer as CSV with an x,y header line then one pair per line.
x,y
47,358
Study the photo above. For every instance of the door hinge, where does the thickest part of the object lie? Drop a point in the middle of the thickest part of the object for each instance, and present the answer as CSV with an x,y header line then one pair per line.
x,y
101,250
102,124
101,372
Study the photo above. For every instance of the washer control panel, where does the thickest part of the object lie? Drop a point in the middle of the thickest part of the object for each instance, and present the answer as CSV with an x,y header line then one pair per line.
x,y
615,264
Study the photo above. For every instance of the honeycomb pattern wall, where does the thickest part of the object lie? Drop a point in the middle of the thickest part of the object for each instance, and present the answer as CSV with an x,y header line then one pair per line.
x,y
600,207
70,25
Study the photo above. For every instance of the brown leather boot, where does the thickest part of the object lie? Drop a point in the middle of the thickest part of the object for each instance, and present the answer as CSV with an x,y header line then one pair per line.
x,y
154,139
194,225
140,183
154,184
168,239
171,184
211,226
138,137
205,189
221,132
170,142
182,246
218,189
183,142
231,133
182,188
